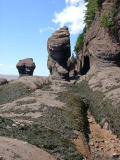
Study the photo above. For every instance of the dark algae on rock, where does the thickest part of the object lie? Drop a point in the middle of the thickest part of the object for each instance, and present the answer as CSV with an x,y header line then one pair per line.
x,y
11,92
102,109
42,137
54,130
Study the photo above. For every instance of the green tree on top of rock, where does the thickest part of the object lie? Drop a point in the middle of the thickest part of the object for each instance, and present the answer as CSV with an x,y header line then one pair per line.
x,y
79,43
92,7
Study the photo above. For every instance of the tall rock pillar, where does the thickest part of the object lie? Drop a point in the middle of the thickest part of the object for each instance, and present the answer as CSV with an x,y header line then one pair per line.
x,y
58,47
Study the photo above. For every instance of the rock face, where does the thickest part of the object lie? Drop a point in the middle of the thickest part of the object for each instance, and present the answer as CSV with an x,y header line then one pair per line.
x,y
58,46
101,43
3,81
102,49
26,67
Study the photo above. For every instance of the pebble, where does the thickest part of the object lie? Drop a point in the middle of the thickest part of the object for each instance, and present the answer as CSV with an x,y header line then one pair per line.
x,y
17,122
91,144
22,125
90,120
8,127
115,155
1,158
14,125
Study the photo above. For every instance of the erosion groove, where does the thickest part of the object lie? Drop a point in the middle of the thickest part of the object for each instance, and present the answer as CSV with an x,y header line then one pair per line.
x,y
102,109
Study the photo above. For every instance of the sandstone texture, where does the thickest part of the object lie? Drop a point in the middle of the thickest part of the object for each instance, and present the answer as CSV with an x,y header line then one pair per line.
x,y
26,67
58,46
3,81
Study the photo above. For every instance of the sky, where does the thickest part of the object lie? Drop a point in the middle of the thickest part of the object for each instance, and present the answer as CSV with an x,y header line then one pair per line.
x,y
26,25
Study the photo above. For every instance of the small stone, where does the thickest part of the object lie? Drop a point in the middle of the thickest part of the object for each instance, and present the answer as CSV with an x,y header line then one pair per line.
x,y
1,158
96,145
91,144
101,148
22,125
106,126
14,125
8,127
115,155
17,122
90,120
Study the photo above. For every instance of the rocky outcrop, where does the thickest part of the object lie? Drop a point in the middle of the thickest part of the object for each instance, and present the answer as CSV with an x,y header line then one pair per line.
x,y
26,67
58,46
102,47
3,81
102,44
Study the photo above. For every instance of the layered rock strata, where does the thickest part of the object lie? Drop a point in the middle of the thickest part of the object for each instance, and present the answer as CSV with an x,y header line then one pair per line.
x,y
102,47
58,47
102,43
26,67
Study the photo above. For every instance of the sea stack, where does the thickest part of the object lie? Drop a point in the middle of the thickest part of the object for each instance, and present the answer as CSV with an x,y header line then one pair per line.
x,y
58,47
26,67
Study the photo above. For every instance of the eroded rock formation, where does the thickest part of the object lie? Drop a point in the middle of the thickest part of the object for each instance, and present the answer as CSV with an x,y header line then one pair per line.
x,y
26,67
3,81
102,47
101,43
58,46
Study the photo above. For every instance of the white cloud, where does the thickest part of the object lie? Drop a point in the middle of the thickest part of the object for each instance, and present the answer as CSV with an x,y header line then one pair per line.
x,y
72,15
72,2
41,30
46,29
6,66
50,28
1,65
11,67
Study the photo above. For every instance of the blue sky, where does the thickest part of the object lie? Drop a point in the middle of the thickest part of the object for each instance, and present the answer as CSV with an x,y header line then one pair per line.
x,y
25,26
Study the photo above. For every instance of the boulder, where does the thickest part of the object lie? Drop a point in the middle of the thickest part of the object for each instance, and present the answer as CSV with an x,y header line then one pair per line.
x,y
26,67
58,47
3,81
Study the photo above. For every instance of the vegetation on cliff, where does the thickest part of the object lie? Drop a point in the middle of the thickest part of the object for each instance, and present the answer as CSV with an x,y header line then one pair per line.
x,y
79,44
92,7
107,18
11,92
